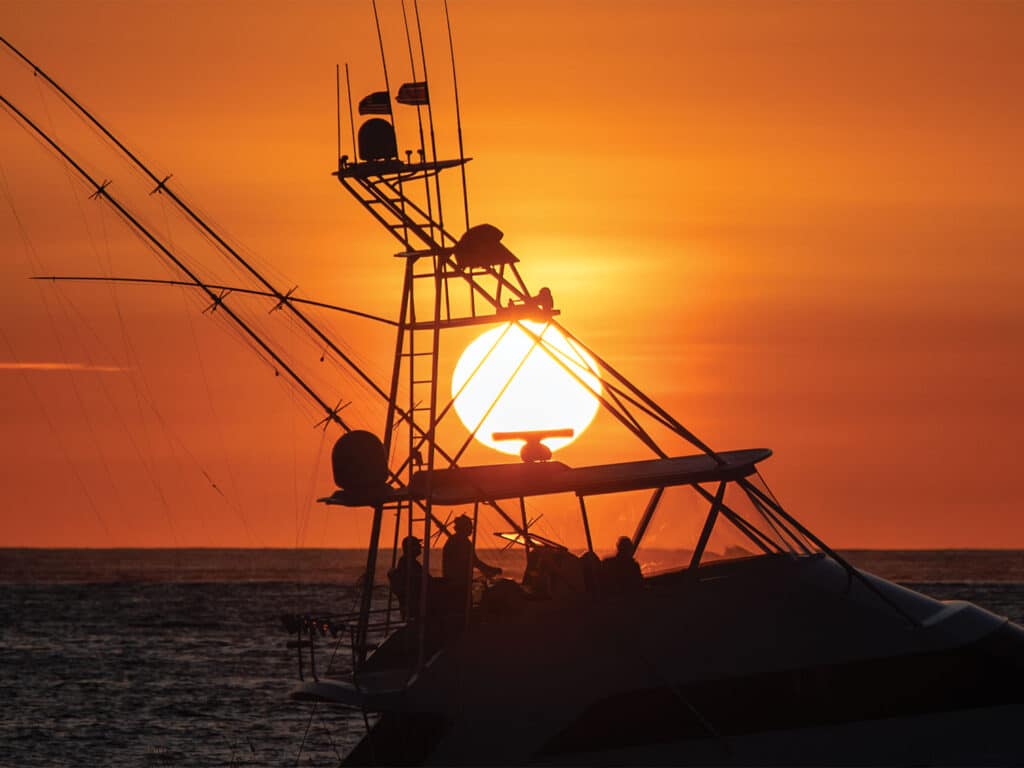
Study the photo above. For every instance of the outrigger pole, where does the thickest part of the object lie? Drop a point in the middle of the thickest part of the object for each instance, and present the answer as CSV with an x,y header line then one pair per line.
x,y
215,287
163,187
217,299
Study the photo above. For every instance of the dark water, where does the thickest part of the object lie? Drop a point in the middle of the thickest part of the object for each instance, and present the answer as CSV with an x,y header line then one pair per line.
x,y
134,658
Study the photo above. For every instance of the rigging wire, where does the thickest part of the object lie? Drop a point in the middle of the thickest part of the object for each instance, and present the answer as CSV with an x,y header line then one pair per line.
x,y
305,734
218,423
69,177
133,360
65,454
295,470
80,399
45,302
330,740
152,399
69,309
458,116
206,230
177,458
168,433
92,240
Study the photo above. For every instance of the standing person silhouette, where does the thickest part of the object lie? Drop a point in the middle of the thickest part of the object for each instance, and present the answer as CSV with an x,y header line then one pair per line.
x,y
407,576
621,572
458,558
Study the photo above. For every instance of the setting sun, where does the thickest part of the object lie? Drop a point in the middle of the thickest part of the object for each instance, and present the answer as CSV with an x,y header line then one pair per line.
x,y
540,394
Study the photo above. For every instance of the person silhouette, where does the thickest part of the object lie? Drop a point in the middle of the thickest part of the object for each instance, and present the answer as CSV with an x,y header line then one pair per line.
x,y
458,558
621,572
406,578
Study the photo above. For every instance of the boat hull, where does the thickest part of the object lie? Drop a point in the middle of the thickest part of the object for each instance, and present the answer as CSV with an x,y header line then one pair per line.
x,y
767,661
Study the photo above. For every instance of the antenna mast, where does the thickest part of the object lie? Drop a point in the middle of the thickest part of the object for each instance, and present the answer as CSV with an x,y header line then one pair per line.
x,y
351,117
458,115
430,118
383,61
337,91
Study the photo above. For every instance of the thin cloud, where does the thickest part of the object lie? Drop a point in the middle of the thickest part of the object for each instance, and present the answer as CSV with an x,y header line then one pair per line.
x,y
4,366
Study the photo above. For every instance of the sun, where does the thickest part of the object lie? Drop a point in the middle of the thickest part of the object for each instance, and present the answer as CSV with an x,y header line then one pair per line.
x,y
527,385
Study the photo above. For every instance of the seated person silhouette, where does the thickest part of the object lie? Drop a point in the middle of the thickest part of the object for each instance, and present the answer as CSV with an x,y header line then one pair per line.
x,y
457,560
406,578
620,572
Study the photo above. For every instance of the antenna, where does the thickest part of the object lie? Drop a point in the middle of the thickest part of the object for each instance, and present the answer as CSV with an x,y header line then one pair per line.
x,y
408,41
383,61
337,89
351,117
419,109
430,120
458,115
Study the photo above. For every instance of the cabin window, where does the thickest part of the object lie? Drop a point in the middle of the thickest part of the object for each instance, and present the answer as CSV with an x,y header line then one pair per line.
x,y
745,526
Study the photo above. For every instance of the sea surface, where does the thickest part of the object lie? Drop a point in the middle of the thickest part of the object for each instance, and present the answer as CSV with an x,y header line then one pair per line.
x,y
178,657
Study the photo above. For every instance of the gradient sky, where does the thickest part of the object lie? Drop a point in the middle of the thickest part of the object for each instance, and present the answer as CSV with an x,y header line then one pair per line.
x,y
797,225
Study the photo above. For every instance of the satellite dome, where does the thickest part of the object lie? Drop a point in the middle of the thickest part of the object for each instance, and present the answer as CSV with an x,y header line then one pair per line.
x,y
358,462
377,140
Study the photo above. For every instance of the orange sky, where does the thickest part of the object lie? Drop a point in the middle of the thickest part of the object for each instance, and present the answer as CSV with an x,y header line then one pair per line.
x,y
797,225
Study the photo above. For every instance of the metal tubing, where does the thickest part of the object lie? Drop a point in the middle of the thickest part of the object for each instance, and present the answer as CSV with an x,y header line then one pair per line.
x,y
641,527
834,555
101,191
586,524
709,524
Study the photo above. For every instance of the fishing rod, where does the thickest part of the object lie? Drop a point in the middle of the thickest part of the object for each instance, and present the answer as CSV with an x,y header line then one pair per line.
x,y
215,287
217,300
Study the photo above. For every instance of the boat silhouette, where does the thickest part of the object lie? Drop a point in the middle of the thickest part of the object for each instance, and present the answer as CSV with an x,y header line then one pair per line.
x,y
777,652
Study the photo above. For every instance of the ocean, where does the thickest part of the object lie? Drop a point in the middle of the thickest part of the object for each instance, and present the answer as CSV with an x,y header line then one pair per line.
x,y
178,657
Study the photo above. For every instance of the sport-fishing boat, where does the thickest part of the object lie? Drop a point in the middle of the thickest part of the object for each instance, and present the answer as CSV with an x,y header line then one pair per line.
x,y
774,650
782,653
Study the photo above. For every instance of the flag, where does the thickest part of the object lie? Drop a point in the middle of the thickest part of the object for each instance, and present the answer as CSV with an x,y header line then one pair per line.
x,y
413,93
378,103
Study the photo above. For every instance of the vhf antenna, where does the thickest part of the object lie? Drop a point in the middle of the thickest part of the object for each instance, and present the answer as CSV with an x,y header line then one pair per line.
x,y
383,62
337,90
351,116
430,119
412,67
458,115
419,108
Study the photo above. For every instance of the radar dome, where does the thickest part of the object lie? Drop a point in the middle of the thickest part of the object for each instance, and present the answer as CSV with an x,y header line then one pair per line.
x,y
359,462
